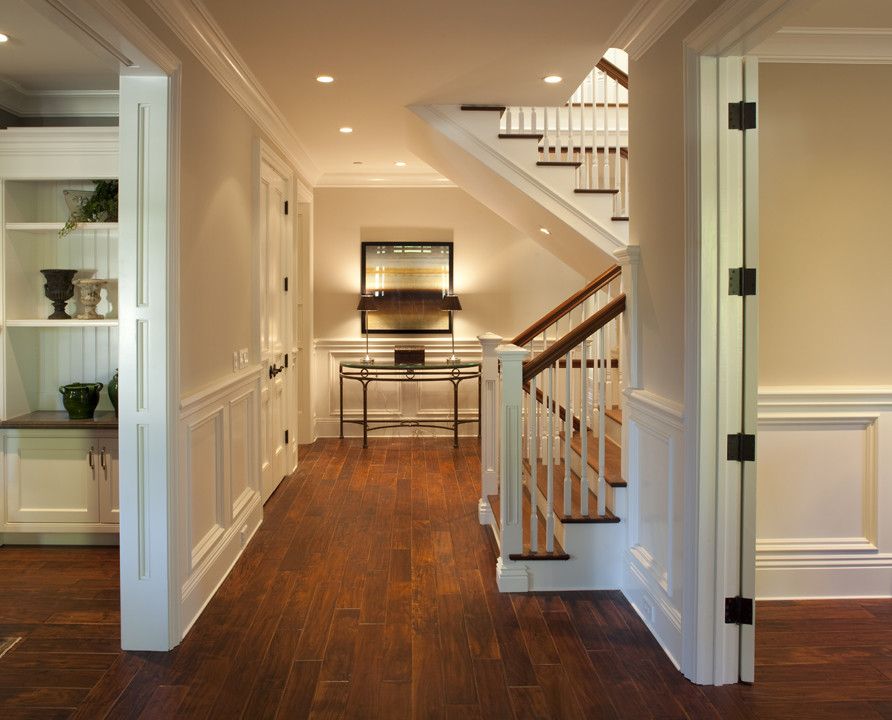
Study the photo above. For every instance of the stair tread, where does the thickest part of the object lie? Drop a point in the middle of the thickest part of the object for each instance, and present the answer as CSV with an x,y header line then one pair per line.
x,y
620,218
612,457
615,414
559,163
527,554
484,108
559,507
605,191
520,136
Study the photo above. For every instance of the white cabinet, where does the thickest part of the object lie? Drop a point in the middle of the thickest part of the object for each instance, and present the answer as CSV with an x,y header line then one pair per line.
x,y
60,481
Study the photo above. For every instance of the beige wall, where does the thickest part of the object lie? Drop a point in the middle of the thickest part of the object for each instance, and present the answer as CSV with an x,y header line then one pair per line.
x,y
657,216
505,280
826,221
217,147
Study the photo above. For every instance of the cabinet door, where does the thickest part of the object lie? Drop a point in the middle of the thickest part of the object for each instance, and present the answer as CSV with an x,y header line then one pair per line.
x,y
109,506
51,479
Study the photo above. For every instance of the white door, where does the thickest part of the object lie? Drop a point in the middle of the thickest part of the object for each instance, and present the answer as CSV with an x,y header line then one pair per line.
x,y
738,364
274,246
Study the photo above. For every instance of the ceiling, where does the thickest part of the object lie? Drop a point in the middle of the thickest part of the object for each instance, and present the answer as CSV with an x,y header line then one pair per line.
x,y
41,56
844,14
389,54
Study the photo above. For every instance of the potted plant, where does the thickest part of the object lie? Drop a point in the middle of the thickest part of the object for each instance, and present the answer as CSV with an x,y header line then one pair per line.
x,y
100,205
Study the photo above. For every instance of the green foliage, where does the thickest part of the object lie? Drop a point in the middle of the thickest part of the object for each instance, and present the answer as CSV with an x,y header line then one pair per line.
x,y
101,207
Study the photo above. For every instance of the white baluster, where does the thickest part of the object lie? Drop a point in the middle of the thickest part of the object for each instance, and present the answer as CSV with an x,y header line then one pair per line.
x,y
602,397
616,160
489,425
549,467
568,434
546,142
534,466
605,180
583,431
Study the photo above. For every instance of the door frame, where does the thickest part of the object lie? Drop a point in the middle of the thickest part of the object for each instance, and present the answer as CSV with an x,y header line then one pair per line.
x,y
149,363
712,515
264,154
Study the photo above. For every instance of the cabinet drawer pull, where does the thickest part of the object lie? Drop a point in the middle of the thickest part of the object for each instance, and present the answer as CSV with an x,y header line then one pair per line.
x,y
102,459
92,467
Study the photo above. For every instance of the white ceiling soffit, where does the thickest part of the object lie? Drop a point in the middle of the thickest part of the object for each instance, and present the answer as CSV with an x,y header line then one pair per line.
x,y
57,103
859,46
428,180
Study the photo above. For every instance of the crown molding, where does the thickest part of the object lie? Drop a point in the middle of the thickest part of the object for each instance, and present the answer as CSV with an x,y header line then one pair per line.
x,y
57,103
387,179
57,142
193,24
646,23
855,46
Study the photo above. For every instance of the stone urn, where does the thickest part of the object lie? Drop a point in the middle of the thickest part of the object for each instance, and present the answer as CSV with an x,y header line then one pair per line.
x,y
90,291
113,392
59,290
81,399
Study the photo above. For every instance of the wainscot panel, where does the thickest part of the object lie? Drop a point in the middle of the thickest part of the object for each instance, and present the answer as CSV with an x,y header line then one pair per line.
x,y
218,506
652,572
824,492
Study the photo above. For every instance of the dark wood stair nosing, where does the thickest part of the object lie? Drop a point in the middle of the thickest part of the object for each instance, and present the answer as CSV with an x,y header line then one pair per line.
x,y
520,136
559,163
597,191
620,218
494,502
484,108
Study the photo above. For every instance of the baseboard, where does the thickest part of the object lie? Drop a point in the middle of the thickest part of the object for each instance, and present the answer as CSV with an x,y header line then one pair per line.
x,y
653,605
204,582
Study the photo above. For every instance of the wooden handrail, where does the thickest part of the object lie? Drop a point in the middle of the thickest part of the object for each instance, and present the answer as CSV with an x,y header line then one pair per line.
x,y
614,72
581,332
571,303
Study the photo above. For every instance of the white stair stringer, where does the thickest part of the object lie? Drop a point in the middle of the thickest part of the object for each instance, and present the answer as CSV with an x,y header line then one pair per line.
x,y
596,553
579,223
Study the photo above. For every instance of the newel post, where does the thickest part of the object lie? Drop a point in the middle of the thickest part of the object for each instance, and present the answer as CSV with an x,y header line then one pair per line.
x,y
629,259
489,424
511,576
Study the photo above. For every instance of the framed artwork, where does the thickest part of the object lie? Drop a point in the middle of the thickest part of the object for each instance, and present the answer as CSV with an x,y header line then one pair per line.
x,y
409,280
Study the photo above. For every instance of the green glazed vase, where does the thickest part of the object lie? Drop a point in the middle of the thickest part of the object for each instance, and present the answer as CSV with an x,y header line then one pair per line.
x,y
81,399
113,392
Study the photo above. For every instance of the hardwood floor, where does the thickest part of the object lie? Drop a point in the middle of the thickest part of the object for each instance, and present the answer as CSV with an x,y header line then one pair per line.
x,y
369,592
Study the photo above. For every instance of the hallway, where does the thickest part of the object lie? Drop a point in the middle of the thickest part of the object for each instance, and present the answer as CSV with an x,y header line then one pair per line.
x,y
369,592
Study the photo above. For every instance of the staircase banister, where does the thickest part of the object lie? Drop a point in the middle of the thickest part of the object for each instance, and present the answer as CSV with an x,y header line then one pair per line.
x,y
581,332
614,72
571,303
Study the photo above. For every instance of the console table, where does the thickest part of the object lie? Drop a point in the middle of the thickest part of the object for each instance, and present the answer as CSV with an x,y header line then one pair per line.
x,y
366,373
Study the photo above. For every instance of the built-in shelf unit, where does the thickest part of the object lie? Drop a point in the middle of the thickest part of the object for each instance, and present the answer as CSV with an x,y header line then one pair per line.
x,y
56,480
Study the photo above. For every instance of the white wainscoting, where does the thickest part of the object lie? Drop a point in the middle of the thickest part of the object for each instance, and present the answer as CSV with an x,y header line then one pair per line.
x,y
390,400
824,492
218,506
652,571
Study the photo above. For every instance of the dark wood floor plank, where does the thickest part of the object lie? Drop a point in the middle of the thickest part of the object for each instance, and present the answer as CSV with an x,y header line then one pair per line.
x,y
369,592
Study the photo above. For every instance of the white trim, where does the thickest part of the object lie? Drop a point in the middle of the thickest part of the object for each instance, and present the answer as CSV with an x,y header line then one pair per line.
x,y
28,142
194,25
219,389
738,26
856,46
385,179
646,23
838,398
57,103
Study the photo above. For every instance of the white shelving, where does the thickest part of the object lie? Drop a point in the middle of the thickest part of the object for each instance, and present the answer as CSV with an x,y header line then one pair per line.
x,y
43,227
73,323
40,355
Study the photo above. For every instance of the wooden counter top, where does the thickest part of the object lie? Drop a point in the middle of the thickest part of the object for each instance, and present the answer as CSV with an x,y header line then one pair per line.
x,y
59,420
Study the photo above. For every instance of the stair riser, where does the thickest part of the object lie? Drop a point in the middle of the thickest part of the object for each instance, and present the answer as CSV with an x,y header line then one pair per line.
x,y
614,431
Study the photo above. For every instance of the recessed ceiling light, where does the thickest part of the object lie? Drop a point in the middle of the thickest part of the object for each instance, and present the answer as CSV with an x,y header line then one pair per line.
x,y
357,162
544,231
400,163
377,179
552,79
346,130
324,79
3,38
